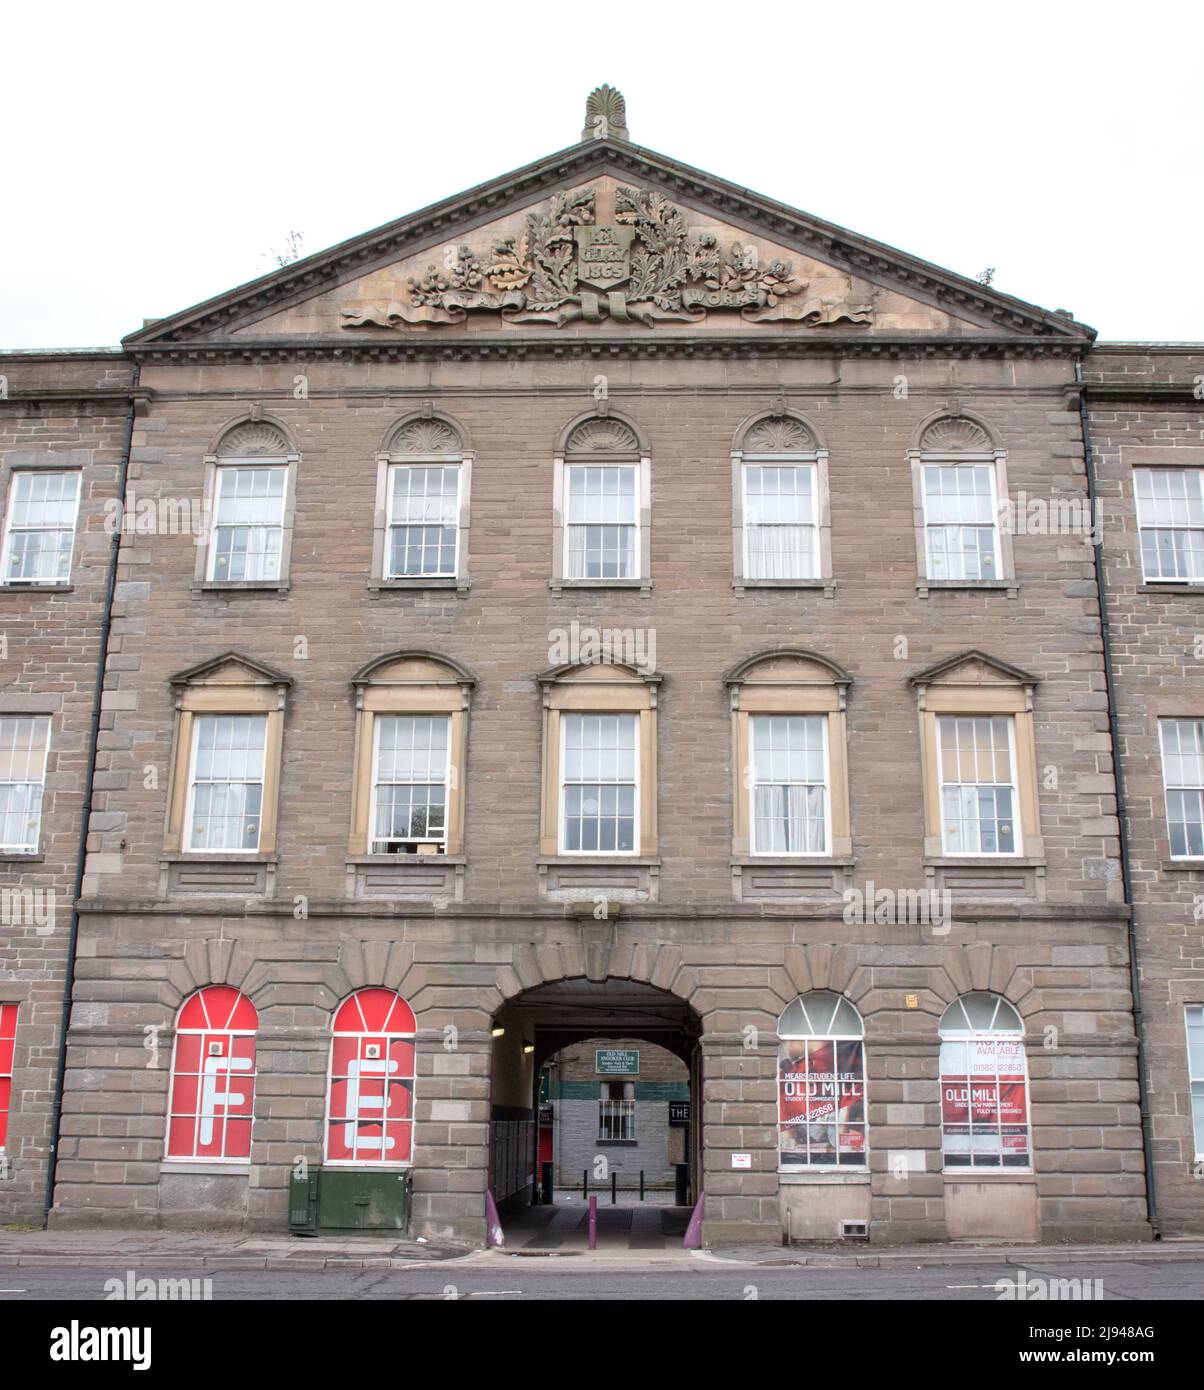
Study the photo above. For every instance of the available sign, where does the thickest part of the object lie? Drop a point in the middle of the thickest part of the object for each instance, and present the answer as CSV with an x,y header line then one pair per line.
x,y
617,1061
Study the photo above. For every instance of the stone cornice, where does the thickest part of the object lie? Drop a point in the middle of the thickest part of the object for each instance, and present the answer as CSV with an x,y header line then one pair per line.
x,y
514,346
502,914
429,226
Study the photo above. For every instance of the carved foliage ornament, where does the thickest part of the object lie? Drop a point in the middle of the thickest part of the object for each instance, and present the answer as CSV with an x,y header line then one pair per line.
x,y
602,437
779,434
255,439
645,267
425,437
955,435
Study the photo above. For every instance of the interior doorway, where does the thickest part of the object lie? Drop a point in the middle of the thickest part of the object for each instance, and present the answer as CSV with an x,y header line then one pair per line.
x,y
595,1094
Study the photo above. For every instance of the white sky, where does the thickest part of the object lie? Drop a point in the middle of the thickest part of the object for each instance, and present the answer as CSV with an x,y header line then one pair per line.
x,y
155,153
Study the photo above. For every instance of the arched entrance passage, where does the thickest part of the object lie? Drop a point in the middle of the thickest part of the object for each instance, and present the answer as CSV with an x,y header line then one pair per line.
x,y
540,1026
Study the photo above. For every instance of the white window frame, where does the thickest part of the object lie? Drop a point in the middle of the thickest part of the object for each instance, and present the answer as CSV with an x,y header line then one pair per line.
x,y
1195,1079
810,462
1017,828
10,501
637,542
826,852
561,821
234,465
373,836
190,803
26,847
1167,788
798,1169
624,1111
1143,526
394,466
971,1034
989,462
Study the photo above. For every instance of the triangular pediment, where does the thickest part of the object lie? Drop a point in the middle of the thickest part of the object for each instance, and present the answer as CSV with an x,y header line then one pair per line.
x,y
973,668
231,668
610,239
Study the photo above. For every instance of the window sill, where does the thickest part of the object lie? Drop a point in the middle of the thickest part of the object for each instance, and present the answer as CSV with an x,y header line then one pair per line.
x,y
987,878
859,1177
924,587
579,878
982,861
643,585
223,873
32,586
1182,866
237,1168
827,585
618,1143
240,586
16,856
377,586
990,1175
401,859
1187,590
821,861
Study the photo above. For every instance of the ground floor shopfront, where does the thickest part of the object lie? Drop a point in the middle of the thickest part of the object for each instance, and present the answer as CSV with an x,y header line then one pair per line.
x,y
843,1079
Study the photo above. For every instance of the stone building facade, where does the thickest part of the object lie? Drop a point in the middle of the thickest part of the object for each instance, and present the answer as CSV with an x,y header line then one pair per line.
x,y
64,425
487,496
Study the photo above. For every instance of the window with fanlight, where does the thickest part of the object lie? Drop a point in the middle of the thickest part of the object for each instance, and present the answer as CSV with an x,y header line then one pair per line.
x,y
822,1115
370,1097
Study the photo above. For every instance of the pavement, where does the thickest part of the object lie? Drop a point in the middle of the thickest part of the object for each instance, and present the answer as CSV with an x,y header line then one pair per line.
x,y
552,1237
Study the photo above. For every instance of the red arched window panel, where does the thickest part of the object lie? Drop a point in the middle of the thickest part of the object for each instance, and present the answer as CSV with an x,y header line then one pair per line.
x,y
8,1035
370,1108
212,1090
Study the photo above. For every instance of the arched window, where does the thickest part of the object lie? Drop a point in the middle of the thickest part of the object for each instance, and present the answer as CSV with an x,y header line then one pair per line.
x,y
821,1083
984,1084
960,493
602,505
250,484
212,1088
422,505
370,1107
782,526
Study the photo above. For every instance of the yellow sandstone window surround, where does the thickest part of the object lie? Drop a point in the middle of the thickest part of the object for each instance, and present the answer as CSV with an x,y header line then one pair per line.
x,y
979,762
224,789
599,762
411,744
790,766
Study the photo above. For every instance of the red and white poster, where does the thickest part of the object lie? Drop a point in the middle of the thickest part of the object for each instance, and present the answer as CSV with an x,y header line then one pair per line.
x,y
821,1102
984,1102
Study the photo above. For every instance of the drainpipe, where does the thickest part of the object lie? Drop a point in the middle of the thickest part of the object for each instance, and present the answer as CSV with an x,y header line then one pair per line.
x,y
102,656
1101,590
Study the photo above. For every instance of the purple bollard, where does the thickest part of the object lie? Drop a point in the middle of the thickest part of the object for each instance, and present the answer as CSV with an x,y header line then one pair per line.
x,y
693,1240
493,1222
593,1223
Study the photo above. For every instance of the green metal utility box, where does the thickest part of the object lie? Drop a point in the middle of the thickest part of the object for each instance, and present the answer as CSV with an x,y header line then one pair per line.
x,y
303,1203
350,1200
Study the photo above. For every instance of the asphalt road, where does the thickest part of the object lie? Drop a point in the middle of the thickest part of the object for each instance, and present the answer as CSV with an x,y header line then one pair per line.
x,y
515,1280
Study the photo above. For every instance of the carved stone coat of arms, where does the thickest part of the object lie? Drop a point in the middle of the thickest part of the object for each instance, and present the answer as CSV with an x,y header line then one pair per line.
x,y
646,266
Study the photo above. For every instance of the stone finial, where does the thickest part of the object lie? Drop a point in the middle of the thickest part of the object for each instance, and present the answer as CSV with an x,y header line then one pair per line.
x,y
605,115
